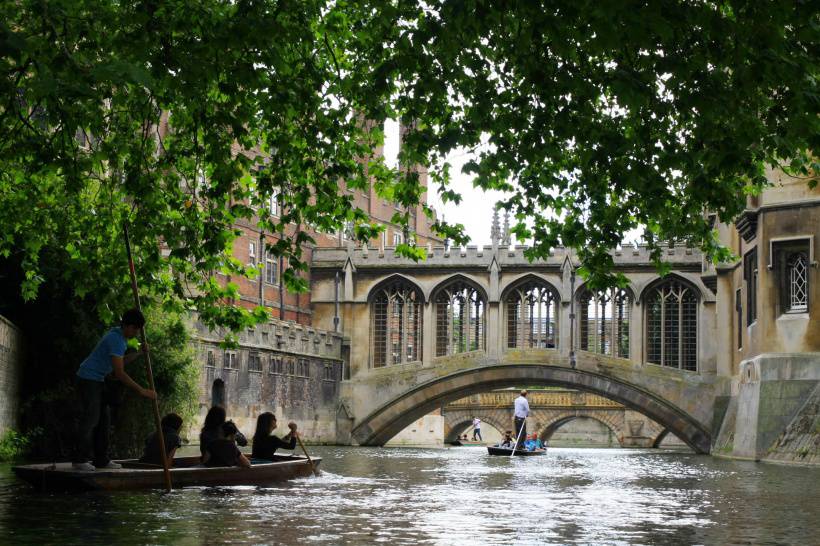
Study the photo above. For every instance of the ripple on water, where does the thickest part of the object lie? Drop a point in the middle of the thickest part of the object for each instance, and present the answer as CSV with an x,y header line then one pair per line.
x,y
448,496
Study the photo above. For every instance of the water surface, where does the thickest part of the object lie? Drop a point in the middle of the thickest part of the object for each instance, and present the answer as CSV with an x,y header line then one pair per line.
x,y
448,496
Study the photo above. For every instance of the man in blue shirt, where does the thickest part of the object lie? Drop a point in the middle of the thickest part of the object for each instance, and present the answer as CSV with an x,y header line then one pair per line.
x,y
109,355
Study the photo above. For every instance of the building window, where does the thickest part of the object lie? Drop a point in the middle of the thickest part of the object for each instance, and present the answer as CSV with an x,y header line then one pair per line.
x,y
303,368
672,325
273,204
459,319
329,372
252,253
291,367
532,316
229,361
211,362
750,274
397,238
739,318
271,271
604,321
276,366
396,324
254,362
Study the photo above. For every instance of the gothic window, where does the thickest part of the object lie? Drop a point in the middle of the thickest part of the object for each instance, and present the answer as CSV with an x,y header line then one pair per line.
x,y
672,325
459,319
532,316
604,321
396,326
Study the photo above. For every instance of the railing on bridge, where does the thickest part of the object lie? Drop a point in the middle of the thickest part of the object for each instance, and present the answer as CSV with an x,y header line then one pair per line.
x,y
552,399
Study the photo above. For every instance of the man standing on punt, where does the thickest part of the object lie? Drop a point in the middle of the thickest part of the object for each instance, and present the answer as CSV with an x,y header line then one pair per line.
x,y
109,355
522,411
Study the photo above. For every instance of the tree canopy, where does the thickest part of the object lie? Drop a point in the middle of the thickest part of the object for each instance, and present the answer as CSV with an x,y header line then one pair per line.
x,y
184,117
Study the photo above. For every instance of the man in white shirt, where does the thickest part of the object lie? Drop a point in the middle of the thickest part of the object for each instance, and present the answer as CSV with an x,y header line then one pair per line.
x,y
477,429
522,411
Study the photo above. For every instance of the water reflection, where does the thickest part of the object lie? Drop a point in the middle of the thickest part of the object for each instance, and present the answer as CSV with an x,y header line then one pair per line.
x,y
452,496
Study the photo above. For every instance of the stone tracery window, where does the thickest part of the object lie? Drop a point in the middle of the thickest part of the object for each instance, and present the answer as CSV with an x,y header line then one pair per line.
x,y
797,281
532,316
460,310
604,321
396,324
672,325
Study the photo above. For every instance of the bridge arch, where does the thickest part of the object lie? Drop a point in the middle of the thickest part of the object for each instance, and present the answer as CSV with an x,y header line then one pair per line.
x,y
457,421
549,429
702,292
388,420
527,278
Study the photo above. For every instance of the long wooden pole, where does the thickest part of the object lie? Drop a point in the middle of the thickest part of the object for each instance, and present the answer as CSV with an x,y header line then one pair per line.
x,y
313,466
519,435
147,357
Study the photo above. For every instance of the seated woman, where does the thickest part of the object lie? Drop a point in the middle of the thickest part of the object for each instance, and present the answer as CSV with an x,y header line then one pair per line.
x,y
212,429
223,451
507,441
171,424
264,443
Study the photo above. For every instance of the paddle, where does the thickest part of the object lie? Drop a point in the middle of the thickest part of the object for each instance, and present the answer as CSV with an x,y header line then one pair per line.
x,y
519,437
147,356
313,466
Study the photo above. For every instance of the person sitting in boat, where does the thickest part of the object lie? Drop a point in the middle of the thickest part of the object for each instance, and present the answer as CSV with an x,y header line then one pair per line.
x,y
507,441
532,443
223,451
171,425
212,429
265,444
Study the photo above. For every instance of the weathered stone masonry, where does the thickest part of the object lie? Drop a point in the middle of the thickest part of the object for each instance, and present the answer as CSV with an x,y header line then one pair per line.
x,y
11,362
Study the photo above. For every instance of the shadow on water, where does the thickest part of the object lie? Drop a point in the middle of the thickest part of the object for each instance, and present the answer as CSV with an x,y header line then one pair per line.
x,y
447,496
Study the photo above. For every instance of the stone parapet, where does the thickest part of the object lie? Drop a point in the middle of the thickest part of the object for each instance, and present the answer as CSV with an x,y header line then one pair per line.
x,y
680,256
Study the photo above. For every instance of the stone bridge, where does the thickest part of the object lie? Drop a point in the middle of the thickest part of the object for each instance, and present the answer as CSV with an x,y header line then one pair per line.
x,y
423,335
548,412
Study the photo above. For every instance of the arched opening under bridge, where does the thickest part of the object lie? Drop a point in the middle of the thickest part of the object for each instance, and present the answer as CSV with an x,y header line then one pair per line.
x,y
381,425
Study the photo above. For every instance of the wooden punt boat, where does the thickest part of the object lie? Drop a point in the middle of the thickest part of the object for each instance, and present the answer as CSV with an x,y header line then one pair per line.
x,y
186,472
504,451
472,444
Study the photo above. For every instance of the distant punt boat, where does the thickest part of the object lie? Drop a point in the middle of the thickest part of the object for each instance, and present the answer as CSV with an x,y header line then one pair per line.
x,y
186,472
493,450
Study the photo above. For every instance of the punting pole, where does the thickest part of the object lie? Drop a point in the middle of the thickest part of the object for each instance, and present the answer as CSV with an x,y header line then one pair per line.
x,y
313,466
147,356
518,437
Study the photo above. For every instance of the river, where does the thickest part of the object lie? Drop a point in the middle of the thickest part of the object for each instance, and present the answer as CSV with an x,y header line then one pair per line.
x,y
448,496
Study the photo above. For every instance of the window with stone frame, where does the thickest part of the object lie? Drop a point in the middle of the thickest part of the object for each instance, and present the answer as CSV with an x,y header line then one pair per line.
x,y
211,361
229,361
396,324
532,315
672,325
251,253
254,362
792,268
750,277
271,268
604,321
460,320
739,318
276,366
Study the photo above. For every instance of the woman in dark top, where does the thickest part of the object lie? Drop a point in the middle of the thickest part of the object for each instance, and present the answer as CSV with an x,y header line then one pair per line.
x,y
223,452
171,424
264,443
212,429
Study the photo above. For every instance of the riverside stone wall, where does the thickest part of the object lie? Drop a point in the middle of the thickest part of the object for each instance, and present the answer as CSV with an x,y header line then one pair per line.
x,y
11,363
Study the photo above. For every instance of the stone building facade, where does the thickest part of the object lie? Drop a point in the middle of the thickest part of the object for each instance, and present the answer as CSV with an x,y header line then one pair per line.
x,y
290,369
771,298
11,373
